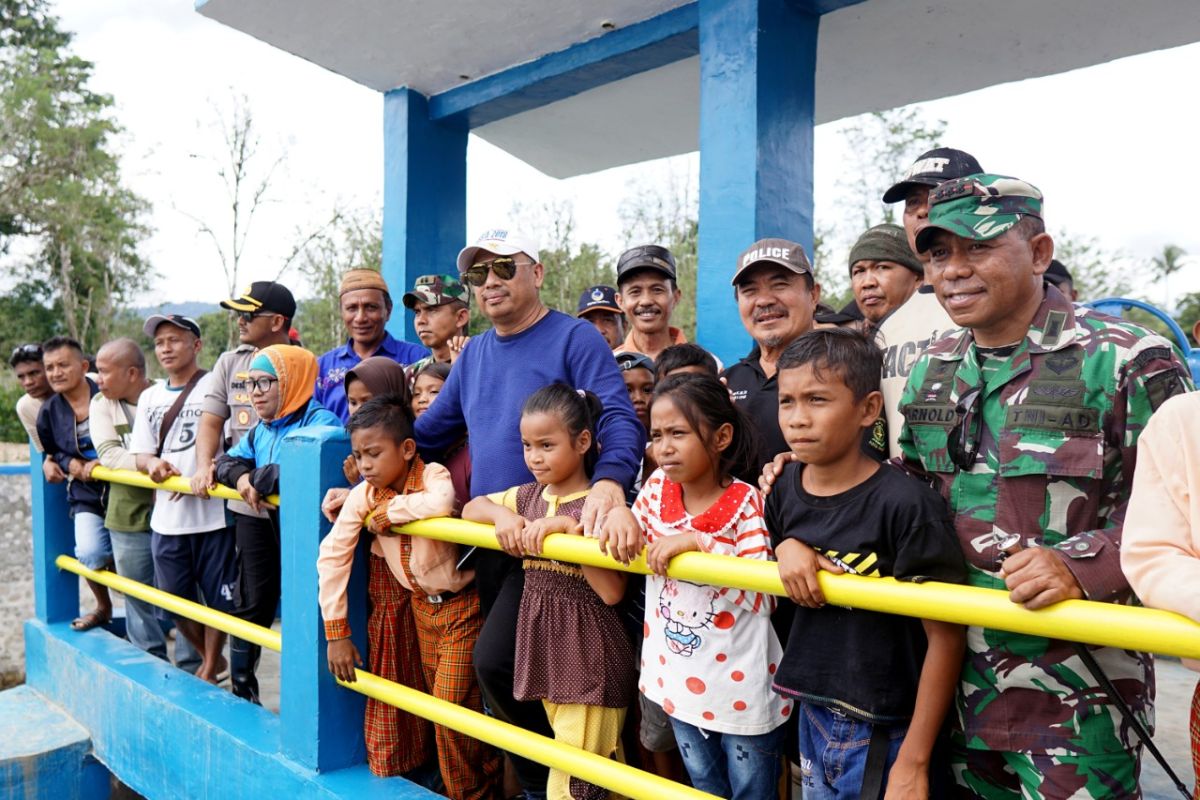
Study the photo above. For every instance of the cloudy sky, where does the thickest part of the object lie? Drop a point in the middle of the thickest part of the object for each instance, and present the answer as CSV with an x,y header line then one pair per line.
x,y
1112,147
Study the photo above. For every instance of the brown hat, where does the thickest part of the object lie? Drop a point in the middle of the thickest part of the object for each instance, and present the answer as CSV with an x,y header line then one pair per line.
x,y
357,279
773,251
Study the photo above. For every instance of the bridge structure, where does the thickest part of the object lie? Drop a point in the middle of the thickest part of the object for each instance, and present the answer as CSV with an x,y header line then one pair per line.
x,y
571,88
575,87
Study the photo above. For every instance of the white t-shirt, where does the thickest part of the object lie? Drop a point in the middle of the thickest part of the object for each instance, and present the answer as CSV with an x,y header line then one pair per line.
x,y
188,514
710,654
904,334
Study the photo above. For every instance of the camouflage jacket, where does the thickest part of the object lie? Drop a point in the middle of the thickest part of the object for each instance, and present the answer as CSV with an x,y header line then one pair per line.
x,y
1057,423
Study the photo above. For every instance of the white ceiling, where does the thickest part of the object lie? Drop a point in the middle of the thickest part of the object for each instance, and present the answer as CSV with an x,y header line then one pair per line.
x,y
874,55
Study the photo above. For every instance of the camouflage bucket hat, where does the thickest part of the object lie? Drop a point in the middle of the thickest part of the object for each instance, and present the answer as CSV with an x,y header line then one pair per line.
x,y
979,207
436,290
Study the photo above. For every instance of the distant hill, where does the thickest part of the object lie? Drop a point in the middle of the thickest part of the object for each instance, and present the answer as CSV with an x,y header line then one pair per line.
x,y
193,310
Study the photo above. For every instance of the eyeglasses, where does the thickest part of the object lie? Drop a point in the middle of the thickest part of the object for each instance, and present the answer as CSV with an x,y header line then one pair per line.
x,y
248,316
33,350
962,445
476,274
260,385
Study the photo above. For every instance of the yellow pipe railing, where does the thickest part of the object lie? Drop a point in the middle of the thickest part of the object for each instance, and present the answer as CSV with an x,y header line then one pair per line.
x,y
173,484
1126,627
264,637
1109,624
619,778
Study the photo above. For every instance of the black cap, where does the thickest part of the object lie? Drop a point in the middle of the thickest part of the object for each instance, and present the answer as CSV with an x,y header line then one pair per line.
x,y
646,256
849,313
178,320
931,168
628,360
267,296
598,298
1057,273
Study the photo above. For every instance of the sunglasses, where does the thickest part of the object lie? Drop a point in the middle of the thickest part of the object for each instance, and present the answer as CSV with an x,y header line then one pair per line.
x,y
962,445
260,385
476,274
248,316
26,350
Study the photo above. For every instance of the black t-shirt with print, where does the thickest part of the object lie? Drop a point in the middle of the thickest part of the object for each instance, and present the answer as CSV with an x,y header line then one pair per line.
x,y
866,663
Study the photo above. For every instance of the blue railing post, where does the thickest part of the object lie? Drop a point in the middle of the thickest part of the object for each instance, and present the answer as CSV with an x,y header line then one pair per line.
x,y
320,723
56,593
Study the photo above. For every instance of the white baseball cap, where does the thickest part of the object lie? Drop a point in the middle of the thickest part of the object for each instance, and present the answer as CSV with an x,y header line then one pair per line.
x,y
498,241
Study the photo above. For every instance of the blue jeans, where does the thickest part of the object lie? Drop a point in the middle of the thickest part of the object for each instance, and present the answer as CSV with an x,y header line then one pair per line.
x,y
131,552
729,765
92,545
833,752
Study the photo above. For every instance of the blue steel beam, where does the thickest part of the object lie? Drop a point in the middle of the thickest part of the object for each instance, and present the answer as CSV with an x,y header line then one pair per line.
x,y
656,42
424,197
758,63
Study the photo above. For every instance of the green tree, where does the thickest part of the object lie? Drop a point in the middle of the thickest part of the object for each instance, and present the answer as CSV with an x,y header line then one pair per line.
x,y
1188,313
1097,271
63,206
1166,264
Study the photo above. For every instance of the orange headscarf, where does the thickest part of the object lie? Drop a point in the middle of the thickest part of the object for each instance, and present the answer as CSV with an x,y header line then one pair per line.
x,y
296,369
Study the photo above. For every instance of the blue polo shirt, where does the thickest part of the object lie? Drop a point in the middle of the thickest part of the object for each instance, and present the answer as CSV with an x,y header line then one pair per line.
x,y
332,367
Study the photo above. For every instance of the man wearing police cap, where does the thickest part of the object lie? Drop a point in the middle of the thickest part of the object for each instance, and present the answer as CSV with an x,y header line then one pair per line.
x,y
1027,421
264,313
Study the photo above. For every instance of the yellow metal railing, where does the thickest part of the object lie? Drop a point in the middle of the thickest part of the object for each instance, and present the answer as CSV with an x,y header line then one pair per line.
x,y
1126,627
175,484
1109,624
615,777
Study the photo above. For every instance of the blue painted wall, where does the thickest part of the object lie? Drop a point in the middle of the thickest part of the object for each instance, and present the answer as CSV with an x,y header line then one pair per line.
x,y
424,197
757,66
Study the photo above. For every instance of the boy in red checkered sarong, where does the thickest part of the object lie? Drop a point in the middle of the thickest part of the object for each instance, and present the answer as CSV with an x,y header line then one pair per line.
x,y
430,638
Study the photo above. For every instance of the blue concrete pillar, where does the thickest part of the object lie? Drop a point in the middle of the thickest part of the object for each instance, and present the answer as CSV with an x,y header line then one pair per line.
x,y
56,593
424,197
757,67
320,723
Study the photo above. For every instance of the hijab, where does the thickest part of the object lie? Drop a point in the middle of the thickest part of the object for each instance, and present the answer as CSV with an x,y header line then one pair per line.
x,y
296,369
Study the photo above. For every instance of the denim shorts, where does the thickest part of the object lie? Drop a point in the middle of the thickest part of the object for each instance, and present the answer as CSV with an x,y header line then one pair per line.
x,y
93,546
833,751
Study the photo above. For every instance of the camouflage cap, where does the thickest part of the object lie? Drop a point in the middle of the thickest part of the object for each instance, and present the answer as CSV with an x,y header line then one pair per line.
x,y
979,207
436,290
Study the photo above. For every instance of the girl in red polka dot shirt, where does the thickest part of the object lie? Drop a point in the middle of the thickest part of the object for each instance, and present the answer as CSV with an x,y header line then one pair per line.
x,y
709,652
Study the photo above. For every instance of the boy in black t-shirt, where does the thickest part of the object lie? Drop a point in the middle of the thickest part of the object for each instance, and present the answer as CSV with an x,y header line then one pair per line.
x,y
872,689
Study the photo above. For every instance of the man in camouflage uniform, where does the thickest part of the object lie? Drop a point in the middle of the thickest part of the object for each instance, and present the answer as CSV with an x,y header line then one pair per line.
x,y
1027,421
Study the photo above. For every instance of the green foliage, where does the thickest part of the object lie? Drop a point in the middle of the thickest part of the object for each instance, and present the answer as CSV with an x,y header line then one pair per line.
x,y
1188,313
61,195
1097,271
27,316
11,429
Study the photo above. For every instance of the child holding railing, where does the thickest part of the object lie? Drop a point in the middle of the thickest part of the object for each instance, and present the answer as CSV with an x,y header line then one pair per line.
x,y
414,581
572,652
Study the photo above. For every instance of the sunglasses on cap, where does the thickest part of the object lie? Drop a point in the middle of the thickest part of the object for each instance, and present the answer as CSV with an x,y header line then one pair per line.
x,y
32,350
504,267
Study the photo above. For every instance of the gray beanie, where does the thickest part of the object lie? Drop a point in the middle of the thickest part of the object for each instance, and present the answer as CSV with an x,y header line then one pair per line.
x,y
885,243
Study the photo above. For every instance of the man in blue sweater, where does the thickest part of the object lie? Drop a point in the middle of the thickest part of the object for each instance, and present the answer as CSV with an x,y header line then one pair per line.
x,y
529,347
